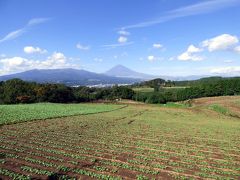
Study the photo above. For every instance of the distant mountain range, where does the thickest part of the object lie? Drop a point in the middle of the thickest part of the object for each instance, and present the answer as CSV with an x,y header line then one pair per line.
x,y
69,77
122,71
116,75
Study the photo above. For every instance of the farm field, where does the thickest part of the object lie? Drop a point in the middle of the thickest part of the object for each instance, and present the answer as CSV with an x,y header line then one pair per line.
x,y
143,89
137,141
27,112
148,89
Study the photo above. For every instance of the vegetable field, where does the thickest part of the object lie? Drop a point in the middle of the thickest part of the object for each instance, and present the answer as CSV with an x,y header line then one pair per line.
x,y
134,142
27,112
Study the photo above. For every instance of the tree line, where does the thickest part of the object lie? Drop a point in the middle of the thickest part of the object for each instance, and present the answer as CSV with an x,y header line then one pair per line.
x,y
207,87
17,91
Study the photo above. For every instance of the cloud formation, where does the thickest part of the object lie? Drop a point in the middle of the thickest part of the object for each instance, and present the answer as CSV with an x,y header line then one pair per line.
x,y
122,39
190,54
110,46
221,42
36,21
14,34
157,46
32,50
19,64
82,47
124,33
190,10
152,58
237,49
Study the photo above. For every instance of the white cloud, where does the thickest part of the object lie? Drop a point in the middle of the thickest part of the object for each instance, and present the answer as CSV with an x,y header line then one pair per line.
x,y
190,55
221,42
237,49
109,46
36,21
218,43
15,61
124,33
190,10
122,39
14,34
82,47
152,58
56,59
32,50
13,64
18,64
230,70
193,49
157,46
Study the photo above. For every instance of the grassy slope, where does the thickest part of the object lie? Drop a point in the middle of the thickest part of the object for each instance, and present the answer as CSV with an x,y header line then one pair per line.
x,y
227,105
26,112
219,109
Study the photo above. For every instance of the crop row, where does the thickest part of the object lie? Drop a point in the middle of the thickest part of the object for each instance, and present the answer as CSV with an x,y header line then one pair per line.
x,y
124,165
13,175
169,162
180,148
165,158
153,151
56,166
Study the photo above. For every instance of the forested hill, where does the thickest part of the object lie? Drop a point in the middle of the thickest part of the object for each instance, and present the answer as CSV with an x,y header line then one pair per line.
x,y
201,81
69,77
184,90
18,91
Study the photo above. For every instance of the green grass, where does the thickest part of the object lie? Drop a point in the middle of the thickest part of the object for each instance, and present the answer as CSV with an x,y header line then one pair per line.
x,y
26,112
176,87
148,89
144,89
174,105
219,109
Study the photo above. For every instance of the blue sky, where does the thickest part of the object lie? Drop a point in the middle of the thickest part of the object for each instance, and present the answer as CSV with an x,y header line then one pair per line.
x,y
161,37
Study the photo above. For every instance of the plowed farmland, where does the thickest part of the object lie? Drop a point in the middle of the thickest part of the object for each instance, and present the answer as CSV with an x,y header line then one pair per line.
x,y
134,142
